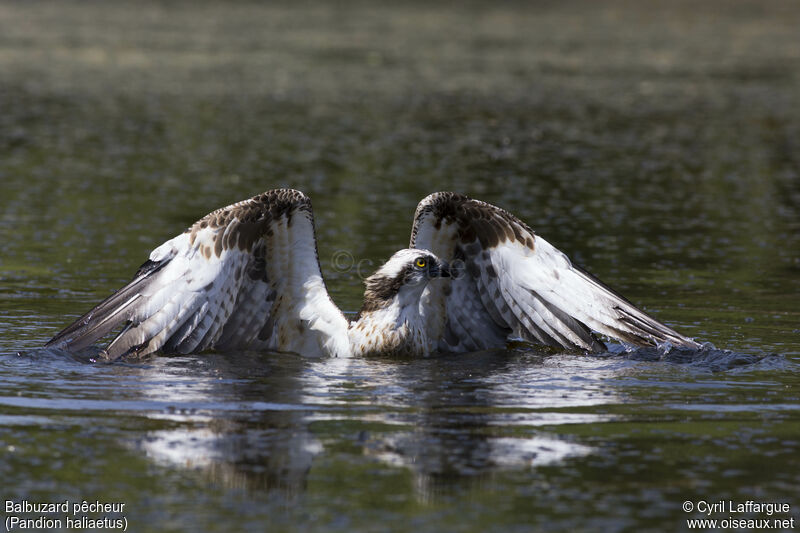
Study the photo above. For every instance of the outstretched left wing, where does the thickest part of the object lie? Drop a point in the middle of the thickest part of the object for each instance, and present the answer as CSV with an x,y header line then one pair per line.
x,y
246,276
513,282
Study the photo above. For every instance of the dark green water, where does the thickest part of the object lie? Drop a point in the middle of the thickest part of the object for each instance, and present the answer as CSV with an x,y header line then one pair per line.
x,y
658,145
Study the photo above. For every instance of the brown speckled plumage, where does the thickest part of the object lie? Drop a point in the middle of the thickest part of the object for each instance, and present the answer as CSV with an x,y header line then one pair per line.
x,y
246,222
488,224
247,276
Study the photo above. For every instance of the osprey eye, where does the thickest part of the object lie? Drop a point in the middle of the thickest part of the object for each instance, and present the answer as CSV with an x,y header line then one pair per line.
x,y
420,262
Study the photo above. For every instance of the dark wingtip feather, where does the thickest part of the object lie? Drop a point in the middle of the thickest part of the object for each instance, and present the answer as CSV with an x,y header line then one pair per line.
x,y
105,316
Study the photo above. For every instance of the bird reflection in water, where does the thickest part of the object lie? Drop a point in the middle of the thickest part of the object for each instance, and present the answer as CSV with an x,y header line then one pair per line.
x,y
258,421
238,420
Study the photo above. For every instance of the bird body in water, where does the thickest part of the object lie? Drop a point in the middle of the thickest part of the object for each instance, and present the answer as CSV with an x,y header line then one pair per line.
x,y
247,277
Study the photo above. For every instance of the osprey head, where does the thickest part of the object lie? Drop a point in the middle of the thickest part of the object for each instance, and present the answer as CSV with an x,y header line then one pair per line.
x,y
406,272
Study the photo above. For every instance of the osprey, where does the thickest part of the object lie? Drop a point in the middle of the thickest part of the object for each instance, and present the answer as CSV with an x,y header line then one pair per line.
x,y
247,276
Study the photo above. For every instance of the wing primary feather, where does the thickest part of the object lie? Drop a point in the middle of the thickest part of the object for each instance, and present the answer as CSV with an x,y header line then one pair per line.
x,y
181,341
596,281
108,314
583,333
653,329
641,327
203,336
542,331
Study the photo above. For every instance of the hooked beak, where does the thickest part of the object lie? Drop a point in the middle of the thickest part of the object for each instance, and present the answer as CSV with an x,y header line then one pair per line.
x,y
444,270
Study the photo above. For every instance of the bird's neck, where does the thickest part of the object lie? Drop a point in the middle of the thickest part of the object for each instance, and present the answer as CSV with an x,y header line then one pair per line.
x,y
393,326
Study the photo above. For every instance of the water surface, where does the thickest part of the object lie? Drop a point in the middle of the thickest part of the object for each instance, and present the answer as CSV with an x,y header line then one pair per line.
x,y
656,145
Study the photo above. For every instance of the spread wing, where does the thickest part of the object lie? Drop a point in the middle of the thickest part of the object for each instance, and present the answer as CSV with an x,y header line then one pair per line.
x,y
512,282
246,276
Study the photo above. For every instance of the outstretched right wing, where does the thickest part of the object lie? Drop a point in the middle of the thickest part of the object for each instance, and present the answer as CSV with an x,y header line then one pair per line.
x,y
246,276
516,283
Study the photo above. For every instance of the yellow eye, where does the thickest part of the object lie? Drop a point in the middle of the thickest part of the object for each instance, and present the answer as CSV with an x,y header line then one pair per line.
x,y
421,262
